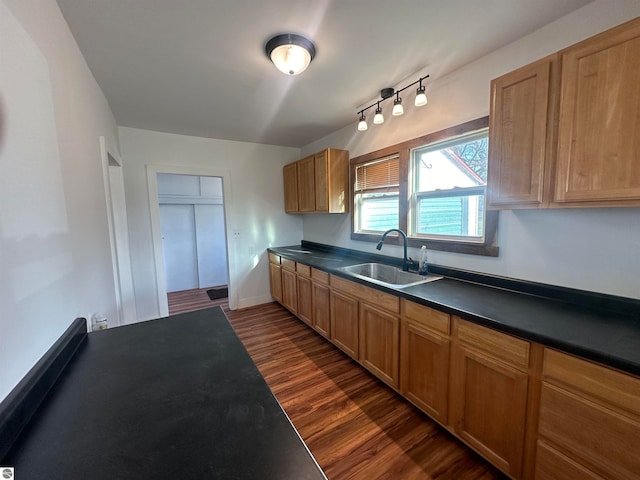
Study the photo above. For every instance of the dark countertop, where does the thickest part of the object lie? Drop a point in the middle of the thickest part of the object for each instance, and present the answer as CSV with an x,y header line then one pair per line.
x,y
599,334
177,397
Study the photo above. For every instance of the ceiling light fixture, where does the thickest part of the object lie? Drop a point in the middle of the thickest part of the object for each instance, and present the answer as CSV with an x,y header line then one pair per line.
x,y
290,53
398,109
362,124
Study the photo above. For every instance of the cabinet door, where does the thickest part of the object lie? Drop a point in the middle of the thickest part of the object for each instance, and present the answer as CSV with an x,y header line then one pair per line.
x,y
306,184
519,124
488,407
344,323
321,309
424,368
304,299
598,154
289,290
276,282
290,173
321,165
379,343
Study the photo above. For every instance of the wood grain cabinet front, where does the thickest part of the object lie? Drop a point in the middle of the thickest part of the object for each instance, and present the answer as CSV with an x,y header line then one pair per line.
x,y
488,393
318,183
424,359
563,130
598,154
520,136
379,343
589,421
344,323
275,277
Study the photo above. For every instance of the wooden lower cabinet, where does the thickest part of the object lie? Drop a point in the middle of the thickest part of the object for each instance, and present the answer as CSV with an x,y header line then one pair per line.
x,y
425,369
380,343
305,312
590,419
276,282
321,309
289,290
533,412
488,399
344,323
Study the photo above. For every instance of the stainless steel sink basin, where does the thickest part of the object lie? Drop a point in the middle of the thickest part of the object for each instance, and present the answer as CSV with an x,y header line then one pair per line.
x,y
387,275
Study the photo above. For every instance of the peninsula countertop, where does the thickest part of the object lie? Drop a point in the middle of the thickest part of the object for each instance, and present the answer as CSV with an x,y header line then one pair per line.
x,y
593,332
177,397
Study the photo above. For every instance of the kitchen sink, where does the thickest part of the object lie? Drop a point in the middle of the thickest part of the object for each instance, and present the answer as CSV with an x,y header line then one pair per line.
x,y
387,275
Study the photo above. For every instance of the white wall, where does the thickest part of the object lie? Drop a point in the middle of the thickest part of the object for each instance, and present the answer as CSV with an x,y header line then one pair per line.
x,y
55,261
591,249
254,207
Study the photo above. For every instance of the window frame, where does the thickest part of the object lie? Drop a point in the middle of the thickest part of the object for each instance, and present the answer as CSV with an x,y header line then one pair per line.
x,y
487,248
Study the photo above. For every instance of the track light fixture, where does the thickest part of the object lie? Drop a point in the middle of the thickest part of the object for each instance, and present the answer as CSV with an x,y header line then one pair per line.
x,y
290,53
398,109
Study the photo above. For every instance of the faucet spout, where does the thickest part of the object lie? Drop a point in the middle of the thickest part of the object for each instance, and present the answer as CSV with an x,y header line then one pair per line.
x,y
405,261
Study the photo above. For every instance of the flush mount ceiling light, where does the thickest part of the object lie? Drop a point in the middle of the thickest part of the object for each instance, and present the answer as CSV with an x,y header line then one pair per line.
x,y
421,99
290,53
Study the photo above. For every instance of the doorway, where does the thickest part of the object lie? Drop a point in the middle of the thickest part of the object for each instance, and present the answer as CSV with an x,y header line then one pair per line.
x,y
182,197
193,234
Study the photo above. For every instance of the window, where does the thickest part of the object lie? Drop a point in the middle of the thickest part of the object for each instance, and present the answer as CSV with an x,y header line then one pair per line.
x,y
448,188
432,187
376,194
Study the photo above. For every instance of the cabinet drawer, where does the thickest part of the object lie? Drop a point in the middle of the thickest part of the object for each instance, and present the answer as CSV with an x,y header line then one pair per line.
x,y
304,270
616,388
369,295
273,258
496,344
601,439
288,264
553,465
319,276
425,316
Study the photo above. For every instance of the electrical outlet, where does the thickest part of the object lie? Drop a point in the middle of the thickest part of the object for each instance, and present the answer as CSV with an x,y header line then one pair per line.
x,y
236,234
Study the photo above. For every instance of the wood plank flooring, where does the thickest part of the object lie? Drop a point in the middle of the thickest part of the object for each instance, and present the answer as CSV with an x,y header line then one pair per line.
x,y
191,300
355,426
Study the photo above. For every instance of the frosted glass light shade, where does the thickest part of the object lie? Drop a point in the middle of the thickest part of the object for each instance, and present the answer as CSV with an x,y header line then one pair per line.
x,y
378,119
397,109
362,125
421,97
290,59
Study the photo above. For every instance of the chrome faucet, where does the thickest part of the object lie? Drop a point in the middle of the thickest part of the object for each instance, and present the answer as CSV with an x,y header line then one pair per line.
x,y
406,262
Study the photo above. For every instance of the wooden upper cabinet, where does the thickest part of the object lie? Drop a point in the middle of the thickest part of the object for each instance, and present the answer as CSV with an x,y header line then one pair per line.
x,y
306,185
321,183
290,174
520,139
564,130
598,149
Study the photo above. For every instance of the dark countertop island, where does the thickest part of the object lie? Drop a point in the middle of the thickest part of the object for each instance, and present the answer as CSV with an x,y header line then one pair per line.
x,y
598,327
177,397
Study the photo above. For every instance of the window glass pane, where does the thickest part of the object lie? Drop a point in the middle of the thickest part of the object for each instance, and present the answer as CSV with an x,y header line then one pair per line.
x,y
377,212
453,165
449,185
451,215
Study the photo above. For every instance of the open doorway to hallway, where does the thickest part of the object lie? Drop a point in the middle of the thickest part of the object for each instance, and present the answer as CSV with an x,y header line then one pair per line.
x,y
193,240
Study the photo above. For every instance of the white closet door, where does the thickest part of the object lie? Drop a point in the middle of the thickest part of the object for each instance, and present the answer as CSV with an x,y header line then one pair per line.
x,y
179,246
212,248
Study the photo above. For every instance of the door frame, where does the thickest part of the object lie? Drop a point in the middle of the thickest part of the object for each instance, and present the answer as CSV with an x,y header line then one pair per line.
x,y
156,230
118,237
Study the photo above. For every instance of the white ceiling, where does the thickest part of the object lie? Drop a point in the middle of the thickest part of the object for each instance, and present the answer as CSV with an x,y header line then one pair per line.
x,y
198,67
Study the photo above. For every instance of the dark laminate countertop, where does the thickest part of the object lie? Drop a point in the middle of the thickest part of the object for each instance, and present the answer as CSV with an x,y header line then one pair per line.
x,y
172,398
600,334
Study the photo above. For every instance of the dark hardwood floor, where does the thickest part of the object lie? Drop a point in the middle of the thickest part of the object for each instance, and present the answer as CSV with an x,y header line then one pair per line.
x,y
354,425
190,300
